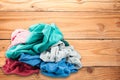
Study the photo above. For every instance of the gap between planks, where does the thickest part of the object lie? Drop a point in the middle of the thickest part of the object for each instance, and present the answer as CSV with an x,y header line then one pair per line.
x,y
86,73
80,25
93,52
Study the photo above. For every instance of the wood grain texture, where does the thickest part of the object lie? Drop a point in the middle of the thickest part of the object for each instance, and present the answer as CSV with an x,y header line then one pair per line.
x,y
92,73
86,73
80,25
16,77
60,5
91,26
94,52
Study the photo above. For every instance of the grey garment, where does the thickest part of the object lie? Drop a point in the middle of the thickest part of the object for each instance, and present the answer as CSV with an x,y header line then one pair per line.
x,y
60,51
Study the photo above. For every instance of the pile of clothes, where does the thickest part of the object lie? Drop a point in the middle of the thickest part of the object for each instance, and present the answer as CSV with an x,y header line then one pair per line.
x,y
41,49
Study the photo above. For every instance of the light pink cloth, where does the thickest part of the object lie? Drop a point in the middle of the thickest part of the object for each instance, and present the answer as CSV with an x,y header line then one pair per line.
x,y
19,36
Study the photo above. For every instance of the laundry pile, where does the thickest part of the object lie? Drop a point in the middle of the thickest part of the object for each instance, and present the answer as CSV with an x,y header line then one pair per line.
x,y
41,49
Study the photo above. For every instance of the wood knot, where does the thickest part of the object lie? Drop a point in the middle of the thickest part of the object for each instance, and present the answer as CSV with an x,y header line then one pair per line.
x,y
36,6
79,0
101,27
118,50
3,47
1,6
90,69
116,6
32,6
118,24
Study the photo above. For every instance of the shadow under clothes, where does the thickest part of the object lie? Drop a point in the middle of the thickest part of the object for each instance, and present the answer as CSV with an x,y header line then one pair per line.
x,y
19,68
53,69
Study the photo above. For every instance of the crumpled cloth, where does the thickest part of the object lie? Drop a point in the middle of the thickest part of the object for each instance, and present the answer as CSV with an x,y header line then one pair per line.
x,y
19,68
41,48
58,69
59,51
53,69
33,60
41,37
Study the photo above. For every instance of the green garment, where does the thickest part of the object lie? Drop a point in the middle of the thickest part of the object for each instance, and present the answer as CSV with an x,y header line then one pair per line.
x,y
65,42
42,36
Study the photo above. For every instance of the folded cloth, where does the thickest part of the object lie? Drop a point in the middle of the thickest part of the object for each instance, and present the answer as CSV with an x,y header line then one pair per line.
x,y
41,37
19,68
53,69
59,51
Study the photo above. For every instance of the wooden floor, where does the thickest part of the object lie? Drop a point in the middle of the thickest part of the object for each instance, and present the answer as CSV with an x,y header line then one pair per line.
x,y
91,26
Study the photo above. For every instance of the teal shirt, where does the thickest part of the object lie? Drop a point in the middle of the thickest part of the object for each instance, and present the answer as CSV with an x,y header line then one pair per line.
x,y
42,36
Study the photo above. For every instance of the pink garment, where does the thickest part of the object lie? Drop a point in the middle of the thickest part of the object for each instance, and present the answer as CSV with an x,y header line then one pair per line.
x,y
19,68
19,36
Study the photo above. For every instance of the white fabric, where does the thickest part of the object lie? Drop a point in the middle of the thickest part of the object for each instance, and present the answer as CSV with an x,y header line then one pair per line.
x,y
60,51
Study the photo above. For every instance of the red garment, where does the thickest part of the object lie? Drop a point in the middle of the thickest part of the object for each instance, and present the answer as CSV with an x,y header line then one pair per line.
x,y
20,68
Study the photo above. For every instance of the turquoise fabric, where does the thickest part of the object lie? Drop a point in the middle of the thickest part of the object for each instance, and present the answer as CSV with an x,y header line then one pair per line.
x,y
65,42
42,36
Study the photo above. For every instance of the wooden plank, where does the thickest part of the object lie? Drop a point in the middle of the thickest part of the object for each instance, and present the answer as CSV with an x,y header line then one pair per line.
x,y
92,73
80,25
60,5
93,52
87,73
16,77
